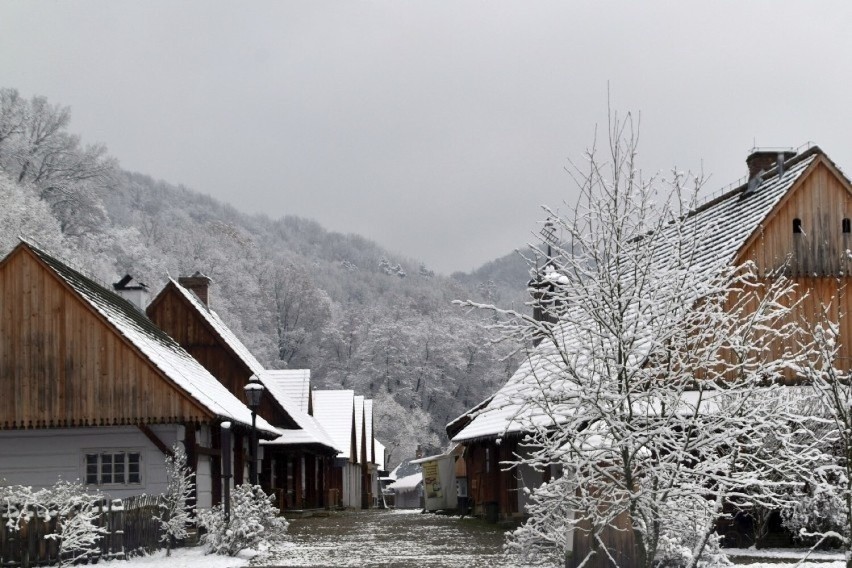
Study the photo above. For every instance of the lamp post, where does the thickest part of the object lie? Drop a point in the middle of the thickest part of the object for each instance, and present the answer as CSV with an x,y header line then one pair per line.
x,y
225,442
254,391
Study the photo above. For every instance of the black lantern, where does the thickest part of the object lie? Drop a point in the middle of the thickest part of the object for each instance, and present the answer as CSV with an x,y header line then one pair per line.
x,y
254,392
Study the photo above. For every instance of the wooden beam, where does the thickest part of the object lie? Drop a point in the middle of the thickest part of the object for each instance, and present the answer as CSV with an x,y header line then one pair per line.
x,y
156,440
205,451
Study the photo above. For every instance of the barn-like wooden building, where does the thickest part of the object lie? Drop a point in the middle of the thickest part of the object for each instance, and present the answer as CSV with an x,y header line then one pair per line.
x,y
91,389
793,214
296,465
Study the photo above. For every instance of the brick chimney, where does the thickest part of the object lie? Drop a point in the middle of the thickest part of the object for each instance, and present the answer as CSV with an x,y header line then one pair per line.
x,y
199,284
765,159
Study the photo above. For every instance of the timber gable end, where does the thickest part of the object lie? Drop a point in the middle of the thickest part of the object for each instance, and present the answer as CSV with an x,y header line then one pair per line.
x,y
63,365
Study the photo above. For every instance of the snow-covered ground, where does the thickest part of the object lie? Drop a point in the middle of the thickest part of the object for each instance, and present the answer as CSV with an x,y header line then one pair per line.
x,y
405,538
193,557
775,557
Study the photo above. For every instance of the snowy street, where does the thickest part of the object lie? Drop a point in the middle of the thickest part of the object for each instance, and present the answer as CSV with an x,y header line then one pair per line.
x,y
387,538
403,539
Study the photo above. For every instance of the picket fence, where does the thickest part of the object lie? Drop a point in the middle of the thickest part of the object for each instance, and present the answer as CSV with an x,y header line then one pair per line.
x,y
130,528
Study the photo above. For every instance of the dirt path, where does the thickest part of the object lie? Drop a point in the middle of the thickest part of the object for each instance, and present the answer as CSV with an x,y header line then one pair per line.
x,y
387,539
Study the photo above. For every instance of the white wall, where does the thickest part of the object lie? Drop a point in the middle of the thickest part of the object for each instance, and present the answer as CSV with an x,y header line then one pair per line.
x,y
203,479
39,458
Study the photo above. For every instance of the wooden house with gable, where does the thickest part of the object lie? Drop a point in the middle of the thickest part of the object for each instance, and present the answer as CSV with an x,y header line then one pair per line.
x,y
300,460
793,214
336,411
295,465
91,389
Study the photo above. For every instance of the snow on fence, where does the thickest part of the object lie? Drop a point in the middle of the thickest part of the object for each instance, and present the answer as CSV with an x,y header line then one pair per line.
x,y
130,527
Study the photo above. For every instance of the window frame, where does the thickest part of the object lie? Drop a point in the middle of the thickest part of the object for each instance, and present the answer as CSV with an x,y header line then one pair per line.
x,y
125,468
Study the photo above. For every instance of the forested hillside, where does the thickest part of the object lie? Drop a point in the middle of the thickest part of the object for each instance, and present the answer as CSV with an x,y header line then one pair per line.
x,y
299,296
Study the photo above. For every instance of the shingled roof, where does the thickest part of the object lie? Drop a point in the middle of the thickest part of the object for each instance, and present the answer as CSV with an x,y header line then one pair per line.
x,y
156,346
310,430
294,384
334,410
221,329
725,223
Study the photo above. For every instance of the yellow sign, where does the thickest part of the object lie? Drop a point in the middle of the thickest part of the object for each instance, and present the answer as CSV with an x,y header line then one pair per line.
x,y
432,480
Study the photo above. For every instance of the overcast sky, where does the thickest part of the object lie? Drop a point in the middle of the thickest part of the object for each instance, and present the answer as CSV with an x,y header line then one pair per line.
x,y
436,128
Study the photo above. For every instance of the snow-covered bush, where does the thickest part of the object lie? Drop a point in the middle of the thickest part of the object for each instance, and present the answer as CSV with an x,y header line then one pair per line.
x,y
75,510
254,520
175,515
820,511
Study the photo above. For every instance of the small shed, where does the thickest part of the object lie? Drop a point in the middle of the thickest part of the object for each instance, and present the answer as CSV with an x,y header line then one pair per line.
x,y
408,491
439,481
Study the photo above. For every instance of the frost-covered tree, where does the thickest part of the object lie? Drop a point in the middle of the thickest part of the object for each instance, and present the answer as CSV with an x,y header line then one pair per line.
x,y
176,512
77,512
651,378
23,214
37,149
824,509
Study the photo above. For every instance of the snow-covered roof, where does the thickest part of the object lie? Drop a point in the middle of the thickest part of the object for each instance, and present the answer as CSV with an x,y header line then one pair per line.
x,y
154,344
310,431
379,459
404,469
222,330
334,410
427,459
295,384
407,483
725,224
359,428
371,435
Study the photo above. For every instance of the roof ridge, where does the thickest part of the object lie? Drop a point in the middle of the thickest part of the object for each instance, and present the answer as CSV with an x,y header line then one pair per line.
x,y
789,163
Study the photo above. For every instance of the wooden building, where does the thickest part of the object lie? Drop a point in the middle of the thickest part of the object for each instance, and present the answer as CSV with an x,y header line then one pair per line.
x,y
296,465
91,389
794,214
335,410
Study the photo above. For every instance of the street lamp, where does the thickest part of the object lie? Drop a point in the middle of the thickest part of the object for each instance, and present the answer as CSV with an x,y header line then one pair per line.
x,y
254,391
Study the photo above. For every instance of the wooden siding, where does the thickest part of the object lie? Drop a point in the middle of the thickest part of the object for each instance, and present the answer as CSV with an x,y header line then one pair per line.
x,y
62,364
821,201
176,316
815,259
815,296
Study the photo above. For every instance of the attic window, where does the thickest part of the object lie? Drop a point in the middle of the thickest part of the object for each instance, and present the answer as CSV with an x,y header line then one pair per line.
x,y
847,225
797,226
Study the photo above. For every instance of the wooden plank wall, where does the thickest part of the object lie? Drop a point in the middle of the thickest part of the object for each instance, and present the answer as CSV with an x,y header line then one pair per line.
x,y
61,365
821,202
174,315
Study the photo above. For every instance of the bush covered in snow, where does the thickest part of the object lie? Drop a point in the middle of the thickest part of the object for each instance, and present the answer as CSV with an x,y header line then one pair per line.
x,y
254,520
76,512
821,510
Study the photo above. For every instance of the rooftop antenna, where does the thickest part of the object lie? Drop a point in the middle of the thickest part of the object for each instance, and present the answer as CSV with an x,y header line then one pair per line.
x,y
548,234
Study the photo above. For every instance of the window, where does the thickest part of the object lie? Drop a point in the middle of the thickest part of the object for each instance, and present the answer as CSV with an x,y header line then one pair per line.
x,y
847,225
797,226
113,468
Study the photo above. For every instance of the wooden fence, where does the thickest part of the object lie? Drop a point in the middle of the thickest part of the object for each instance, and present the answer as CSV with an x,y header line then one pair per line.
x,y
130,528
